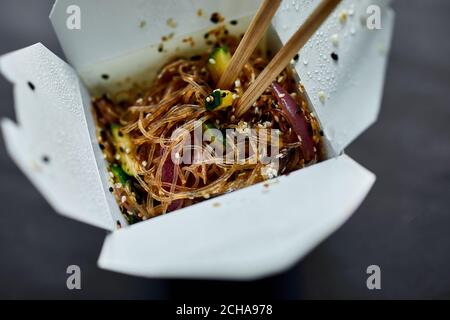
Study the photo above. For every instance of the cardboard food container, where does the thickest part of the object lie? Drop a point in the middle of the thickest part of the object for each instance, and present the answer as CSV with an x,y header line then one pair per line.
x,y
245,234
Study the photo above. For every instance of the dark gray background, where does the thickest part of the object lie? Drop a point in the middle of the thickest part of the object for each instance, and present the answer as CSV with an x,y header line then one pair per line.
x,y
403,226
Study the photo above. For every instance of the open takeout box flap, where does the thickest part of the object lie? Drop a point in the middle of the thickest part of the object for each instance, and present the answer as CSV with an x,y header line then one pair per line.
x,y
51,141
128,26
248,234
345,94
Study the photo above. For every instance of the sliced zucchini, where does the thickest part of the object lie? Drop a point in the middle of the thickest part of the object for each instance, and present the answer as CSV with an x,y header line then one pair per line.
x,y
218,62
219,99
120,174
124,148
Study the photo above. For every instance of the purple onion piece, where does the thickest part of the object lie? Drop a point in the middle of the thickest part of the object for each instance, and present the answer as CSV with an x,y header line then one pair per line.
x,y
168,171
296,119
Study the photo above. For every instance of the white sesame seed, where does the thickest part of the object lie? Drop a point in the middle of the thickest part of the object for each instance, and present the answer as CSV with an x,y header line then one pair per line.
x,y
322,96
335,39
282,95
144,163
212,61
123,199
117,157
237,83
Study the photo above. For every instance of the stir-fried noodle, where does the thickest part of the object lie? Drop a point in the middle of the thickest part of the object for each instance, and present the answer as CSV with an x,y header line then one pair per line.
x,y
141,145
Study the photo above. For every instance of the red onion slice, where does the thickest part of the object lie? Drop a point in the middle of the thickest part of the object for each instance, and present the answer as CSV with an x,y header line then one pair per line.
x,y
296,119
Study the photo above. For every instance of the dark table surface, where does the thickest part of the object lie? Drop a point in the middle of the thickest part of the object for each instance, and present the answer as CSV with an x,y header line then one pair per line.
x,y
403,226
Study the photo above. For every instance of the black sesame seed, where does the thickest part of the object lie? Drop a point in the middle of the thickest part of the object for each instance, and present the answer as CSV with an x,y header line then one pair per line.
x,y
111,189
105,76
206,36
46,159
321,133
160,48
215,17
196,58
233,22
102,147
296,57
31,85
334,56
118,224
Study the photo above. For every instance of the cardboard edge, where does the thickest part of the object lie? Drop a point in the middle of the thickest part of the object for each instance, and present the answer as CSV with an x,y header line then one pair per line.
x,y
10,129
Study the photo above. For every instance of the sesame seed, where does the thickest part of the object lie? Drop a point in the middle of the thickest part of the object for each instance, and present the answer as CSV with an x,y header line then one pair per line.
x,y
212,61
322,96
343,16
335,39
123,199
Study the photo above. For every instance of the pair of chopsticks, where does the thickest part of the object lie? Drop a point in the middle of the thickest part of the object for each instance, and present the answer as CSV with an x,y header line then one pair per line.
x,y
254,33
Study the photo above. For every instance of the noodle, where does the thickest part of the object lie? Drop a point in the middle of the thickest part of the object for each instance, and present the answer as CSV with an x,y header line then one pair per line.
x,y
139,144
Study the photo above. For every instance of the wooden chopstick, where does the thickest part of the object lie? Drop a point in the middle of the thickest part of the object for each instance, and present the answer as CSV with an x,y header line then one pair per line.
x,y
285,55
249,42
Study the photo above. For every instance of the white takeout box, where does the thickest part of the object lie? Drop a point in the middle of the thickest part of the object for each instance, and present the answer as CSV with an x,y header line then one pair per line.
x,y
242,235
